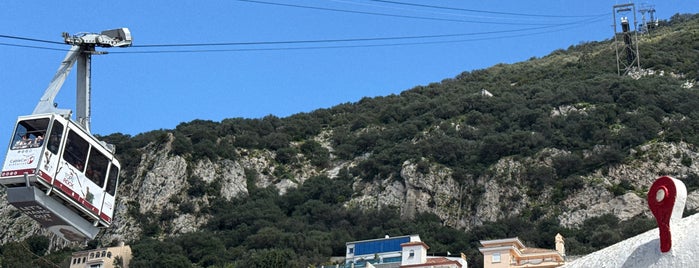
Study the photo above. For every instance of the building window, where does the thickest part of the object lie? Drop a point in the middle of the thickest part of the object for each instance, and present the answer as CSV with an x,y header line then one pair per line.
x,y
412,254
109,254
496,257
350,250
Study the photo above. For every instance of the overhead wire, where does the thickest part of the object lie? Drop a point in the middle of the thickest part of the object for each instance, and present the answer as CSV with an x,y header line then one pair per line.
x,y
354,46
387,14
323,47
434,12
339,40
522,32
486,11
35,47
540,26
46,261
292,42
31,39
320,41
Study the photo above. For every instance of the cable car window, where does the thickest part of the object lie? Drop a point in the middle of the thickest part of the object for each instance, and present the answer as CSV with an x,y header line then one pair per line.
x,y
30,133
54,139
76,151
97,167
113,179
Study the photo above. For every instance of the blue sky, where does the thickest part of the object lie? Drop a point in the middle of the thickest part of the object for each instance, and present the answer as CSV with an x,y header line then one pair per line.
x,y
139,89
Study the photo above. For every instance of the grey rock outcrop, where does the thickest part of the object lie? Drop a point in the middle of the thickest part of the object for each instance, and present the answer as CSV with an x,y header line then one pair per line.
x,y
162,181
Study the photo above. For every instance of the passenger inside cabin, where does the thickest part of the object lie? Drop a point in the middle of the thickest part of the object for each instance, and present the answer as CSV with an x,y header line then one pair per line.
x,y
38,141
23,143
79,165
94,175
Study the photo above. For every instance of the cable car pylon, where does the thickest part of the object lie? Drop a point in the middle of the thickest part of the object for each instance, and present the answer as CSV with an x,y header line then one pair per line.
x,y
55,171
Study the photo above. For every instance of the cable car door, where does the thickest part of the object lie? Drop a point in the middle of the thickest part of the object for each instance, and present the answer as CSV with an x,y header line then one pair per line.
x,y
50,154
110,194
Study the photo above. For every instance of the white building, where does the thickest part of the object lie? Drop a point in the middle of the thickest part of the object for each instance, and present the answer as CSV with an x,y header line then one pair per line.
x,y
111,257
396,252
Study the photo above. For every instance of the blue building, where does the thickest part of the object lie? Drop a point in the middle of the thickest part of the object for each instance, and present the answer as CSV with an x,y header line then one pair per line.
x,y
377,251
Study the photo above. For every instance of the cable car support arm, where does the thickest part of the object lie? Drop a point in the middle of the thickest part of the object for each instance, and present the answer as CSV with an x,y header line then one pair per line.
x,y
83,47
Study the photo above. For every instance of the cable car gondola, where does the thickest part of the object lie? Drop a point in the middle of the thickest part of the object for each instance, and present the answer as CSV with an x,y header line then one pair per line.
x,y
55,171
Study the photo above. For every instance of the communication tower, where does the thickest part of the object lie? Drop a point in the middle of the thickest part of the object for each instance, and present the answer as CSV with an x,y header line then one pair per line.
x,y
646,26
625,38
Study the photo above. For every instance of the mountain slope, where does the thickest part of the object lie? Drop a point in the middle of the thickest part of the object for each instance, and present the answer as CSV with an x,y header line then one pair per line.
x,y
560,144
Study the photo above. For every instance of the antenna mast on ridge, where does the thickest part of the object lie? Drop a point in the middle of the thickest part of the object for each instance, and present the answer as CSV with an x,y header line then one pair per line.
x,y
647,25
629,37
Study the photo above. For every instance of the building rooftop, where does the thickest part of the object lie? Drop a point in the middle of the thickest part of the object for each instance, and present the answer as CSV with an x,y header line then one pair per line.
x,y
536,250
503,242
381,239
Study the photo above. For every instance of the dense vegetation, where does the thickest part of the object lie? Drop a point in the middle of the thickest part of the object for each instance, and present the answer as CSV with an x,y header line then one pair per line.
x,y
309,224
449,123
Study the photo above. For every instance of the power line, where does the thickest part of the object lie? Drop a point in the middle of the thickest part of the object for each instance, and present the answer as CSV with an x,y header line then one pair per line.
x,y
347,46
35,47
31,39
434,12
335,40
542,26
321,47
361,39
486,11
389,15
318,41
24,245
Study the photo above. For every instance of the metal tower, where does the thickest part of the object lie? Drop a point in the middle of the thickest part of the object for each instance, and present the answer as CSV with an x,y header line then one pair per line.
x,y
626,39
646,26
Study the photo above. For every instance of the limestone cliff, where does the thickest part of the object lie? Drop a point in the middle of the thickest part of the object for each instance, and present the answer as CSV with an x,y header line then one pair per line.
x,y
163,185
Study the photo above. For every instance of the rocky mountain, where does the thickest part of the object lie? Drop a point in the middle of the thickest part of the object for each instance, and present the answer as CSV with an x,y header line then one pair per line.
x,y
561,138
163,185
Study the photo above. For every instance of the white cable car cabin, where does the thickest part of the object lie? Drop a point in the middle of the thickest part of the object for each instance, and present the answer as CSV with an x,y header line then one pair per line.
x,y
67,163
55,171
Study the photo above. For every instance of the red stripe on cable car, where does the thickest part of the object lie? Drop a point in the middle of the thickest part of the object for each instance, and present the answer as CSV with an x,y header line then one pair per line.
x,y
19,172
45,176
106,218
75,196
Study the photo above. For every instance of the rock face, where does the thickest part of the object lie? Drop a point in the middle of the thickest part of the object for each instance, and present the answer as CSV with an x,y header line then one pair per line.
x,y
177,189
649,162
624,207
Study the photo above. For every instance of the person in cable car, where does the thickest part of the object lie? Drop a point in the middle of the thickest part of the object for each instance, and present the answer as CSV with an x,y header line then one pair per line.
x,y
23,143
38,141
